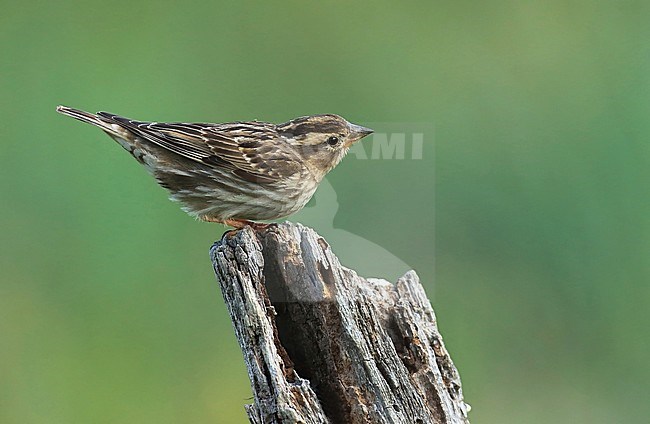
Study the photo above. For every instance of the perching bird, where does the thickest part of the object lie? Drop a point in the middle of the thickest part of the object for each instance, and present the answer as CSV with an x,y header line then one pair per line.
x,y
234,173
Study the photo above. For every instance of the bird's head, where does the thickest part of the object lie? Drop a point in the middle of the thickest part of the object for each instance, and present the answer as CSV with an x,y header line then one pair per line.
x,y
322,140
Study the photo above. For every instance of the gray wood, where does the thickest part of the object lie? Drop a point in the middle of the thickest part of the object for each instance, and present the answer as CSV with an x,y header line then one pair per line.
x,y
324,345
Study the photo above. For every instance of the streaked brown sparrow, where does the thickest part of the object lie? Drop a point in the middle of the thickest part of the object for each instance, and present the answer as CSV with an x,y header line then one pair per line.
x,y
234,173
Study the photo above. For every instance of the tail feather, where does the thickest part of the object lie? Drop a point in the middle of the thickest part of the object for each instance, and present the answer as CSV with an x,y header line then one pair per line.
x,y
103,122
119,129
89,118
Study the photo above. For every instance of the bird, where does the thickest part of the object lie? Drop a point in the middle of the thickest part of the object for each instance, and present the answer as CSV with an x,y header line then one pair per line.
x,y
236,173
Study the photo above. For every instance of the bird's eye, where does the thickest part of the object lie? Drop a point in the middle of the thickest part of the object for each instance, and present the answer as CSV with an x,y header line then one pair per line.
x,y
333,141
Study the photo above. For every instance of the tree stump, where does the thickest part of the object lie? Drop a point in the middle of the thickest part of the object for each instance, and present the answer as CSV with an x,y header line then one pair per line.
x,y
324,345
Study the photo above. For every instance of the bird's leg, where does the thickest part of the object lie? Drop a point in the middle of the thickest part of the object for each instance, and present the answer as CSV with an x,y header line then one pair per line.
x,y
241,223
260,226
229,222
238,224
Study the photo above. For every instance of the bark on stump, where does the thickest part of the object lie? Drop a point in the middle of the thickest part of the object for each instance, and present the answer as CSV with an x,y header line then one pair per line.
x,y
324,345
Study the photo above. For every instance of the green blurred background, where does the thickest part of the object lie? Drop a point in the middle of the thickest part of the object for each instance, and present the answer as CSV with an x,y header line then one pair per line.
x,y
536,179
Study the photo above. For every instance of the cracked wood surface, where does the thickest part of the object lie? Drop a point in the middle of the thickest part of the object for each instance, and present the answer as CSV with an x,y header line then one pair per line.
x,y
324,345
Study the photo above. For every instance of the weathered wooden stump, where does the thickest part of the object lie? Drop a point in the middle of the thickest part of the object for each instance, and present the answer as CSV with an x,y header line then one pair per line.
x,y
323,345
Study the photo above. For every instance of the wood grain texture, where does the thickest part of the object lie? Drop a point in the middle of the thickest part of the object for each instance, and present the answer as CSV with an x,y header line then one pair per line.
x,y
324,345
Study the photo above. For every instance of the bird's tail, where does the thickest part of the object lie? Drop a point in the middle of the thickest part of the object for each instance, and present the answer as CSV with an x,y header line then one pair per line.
x,y
107,125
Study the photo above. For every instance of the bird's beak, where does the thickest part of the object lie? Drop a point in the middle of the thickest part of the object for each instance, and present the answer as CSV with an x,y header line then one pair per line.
x,y
357,132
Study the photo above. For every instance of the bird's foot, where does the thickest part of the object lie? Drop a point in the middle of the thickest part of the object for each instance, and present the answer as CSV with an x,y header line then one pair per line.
x,y
238,224
241,223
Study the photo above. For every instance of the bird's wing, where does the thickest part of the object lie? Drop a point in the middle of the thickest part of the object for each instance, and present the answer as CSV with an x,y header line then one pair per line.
x,y
247,149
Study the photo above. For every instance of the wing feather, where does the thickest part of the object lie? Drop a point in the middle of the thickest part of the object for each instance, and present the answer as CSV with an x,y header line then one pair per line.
x,y
250,150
